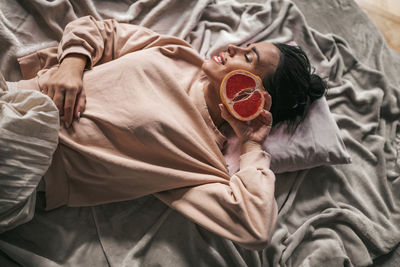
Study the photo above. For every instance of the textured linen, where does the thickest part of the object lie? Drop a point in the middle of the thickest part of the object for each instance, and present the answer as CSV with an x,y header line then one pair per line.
x,y
346,215
28,138
146,131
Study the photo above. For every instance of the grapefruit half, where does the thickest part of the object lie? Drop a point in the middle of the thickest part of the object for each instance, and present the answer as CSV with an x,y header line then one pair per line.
x,y
242,93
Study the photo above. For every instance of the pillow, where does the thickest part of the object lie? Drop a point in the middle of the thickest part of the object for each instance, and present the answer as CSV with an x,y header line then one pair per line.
x,y
315,142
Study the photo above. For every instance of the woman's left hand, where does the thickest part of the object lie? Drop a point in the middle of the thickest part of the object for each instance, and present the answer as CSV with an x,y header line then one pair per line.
x,y
255,130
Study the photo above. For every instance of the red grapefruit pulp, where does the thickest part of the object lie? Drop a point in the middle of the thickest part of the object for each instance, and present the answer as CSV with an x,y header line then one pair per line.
x,y
242,94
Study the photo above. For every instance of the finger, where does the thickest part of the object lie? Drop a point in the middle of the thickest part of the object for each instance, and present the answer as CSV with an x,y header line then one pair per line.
x,y
44,90
80,105
236,124
263,118
267,117
50,93
225,113
268,101
69,106
58,99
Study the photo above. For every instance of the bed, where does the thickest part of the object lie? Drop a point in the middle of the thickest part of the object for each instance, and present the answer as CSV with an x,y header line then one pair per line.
x,y
329,215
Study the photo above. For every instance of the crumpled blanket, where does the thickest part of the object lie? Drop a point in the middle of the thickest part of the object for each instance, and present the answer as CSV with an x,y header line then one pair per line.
x,y
329,216
28,138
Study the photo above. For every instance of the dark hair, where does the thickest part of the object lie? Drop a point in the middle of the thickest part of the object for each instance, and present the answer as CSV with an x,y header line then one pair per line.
x,y
293,86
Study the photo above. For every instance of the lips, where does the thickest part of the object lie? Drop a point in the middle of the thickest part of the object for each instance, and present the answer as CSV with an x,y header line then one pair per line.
x,y
219,59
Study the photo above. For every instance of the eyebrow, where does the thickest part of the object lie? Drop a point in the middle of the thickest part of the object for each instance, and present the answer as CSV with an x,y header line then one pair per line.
x,y
256,52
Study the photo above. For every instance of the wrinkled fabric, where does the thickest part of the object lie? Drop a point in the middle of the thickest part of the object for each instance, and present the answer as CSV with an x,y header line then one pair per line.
x,y
328,216
146,130
28,138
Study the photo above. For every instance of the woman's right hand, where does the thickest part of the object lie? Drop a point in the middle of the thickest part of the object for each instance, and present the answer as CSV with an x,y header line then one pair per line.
x,y
254,131
65,87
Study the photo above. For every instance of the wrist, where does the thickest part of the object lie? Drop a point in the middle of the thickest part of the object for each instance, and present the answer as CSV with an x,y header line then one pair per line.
x,y
74,63
249,145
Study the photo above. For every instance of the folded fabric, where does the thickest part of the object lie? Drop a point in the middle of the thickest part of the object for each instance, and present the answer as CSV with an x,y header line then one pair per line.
x,y
315,142
28,138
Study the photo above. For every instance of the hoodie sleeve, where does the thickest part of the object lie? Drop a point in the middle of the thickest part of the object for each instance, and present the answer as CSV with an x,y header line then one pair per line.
x,y
244,210
105,40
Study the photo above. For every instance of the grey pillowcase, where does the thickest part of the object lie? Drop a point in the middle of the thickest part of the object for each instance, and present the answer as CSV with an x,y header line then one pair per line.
x,y
315,142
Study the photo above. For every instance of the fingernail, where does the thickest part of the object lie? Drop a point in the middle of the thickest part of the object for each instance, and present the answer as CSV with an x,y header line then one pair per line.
x,y
79,114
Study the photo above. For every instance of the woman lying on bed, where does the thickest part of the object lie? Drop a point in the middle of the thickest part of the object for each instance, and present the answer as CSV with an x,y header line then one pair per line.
x,y
149,123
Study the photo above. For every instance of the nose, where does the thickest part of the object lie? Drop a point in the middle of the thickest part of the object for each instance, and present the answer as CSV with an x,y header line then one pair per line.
x,y
233,50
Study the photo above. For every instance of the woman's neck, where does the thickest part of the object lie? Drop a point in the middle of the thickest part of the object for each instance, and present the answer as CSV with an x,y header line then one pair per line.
x,y
212,98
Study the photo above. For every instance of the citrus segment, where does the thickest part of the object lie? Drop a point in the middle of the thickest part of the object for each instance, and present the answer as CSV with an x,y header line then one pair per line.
x,y
237,83
249,106
242,94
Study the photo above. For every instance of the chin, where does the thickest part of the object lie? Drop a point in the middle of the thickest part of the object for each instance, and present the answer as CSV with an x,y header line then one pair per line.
x,y
207,68
211,71
207,65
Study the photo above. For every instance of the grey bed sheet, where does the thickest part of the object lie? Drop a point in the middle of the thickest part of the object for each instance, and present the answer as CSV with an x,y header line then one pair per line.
x,y
368,45
328,216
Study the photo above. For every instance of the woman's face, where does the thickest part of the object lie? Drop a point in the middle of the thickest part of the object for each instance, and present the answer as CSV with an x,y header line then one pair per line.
x,y
260,59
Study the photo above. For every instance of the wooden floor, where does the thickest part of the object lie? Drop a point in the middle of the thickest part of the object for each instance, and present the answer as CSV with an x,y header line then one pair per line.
x,y
386,16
